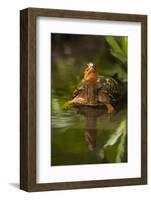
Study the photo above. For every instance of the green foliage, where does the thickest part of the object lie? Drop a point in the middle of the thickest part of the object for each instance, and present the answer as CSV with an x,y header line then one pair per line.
x,y
124,43
114,148
114,44
119,49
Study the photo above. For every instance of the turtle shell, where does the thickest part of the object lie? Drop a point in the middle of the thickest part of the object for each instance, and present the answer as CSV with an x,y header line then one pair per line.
x,y
109,90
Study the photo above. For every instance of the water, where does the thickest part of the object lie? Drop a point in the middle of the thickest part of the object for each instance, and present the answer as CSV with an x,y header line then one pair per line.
x,y
80,135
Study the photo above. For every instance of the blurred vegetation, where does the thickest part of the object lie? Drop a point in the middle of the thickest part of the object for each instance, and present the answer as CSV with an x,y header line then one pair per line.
x,y
70,53
114,148
119,50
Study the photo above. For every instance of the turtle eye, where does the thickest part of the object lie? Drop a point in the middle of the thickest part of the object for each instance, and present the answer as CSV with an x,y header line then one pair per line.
x,y
94,67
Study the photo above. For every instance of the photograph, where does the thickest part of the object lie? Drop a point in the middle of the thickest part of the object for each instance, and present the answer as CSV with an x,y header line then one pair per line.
x,y
89,92
83,99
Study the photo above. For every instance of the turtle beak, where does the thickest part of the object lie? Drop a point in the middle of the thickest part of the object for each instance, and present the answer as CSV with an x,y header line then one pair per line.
x,y
90,72
91,69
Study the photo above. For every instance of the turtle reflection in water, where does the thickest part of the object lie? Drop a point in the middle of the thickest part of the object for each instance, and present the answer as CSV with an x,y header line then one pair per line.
x,y
95,95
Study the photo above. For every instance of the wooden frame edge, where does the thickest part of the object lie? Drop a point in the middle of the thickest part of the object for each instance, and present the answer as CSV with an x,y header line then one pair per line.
x,y
24,182
27,100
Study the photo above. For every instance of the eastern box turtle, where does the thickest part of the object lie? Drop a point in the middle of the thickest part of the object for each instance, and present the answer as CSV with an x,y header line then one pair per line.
x,y
95,90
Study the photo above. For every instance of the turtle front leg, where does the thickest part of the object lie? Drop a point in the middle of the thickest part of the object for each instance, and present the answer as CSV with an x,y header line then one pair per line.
x,y
110,108
75,101
67,104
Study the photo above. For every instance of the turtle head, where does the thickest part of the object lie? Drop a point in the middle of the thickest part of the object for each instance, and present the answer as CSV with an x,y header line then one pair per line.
x,y
90,73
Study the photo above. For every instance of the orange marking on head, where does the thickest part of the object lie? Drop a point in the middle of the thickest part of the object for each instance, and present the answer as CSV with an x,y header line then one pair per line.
x,y
90,73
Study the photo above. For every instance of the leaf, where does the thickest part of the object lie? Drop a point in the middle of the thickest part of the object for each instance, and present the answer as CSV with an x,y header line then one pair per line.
x,y
114,149
121,148
113,139
119,50
114,44
124,43
122,58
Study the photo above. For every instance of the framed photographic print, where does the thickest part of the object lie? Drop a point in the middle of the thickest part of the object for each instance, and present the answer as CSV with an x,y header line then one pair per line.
x,y
83,99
